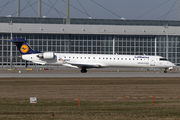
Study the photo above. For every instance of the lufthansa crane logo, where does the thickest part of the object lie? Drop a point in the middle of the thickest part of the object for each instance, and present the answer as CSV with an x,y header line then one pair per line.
x,y
24,48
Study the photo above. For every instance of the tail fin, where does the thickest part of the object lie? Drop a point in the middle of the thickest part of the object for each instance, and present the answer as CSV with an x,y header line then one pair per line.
x,y
23,46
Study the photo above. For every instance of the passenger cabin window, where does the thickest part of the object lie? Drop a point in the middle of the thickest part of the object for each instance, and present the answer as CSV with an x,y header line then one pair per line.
x,y
163,59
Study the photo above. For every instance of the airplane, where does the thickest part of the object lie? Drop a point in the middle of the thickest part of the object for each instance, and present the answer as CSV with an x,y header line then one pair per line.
x,y
87,61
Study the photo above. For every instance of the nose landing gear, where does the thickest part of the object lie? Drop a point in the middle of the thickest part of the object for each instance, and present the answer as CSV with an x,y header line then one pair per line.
x,y
166,69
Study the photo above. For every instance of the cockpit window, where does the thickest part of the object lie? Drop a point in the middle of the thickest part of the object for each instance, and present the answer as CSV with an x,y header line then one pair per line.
x,y
163,59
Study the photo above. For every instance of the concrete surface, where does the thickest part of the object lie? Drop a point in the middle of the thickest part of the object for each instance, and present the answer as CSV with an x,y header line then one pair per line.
x,y
71,73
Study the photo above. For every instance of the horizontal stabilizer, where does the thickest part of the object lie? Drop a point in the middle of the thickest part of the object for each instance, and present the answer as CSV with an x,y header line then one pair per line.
x,y
17,40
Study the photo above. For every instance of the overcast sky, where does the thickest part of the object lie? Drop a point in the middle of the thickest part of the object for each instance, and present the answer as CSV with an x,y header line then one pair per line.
x,y
99,9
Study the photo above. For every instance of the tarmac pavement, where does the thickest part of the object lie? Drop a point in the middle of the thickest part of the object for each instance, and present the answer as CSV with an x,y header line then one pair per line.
x,y
78,74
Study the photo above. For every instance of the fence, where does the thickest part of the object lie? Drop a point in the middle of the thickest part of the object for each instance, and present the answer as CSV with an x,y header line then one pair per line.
x,y
78,100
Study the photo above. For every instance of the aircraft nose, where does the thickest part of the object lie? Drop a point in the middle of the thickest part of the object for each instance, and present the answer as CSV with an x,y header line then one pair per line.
x,y
173,65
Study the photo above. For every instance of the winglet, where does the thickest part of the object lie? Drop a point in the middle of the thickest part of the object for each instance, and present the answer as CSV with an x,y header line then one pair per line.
x,y
23,46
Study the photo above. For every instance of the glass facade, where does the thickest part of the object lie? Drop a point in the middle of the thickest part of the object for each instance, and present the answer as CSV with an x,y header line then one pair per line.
x,y
92,44
89,21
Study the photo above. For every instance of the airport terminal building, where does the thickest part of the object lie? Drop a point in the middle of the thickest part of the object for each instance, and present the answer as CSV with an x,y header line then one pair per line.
x,y
90,36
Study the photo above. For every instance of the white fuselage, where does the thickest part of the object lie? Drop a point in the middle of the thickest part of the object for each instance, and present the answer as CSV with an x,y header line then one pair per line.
x,y
101,60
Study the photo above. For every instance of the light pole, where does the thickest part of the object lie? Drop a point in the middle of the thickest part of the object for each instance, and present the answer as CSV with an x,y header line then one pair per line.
x,y
39,8
155,45
67,12
167,41
113,44
10,23
179,9
18,8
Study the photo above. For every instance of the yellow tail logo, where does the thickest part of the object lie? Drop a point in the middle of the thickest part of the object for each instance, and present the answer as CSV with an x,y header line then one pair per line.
x,y
24,48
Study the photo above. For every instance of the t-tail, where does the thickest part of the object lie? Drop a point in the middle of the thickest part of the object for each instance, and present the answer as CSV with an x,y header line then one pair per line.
x,y
23,46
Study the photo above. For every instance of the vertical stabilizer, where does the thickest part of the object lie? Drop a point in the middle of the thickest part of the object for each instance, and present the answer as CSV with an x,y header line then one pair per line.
x,y
23,46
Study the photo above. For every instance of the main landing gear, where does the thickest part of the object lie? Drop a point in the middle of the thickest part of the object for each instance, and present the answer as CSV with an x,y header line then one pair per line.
x,y
83,70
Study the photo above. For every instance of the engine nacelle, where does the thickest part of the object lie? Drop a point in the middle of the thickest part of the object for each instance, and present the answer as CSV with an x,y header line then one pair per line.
x,y
46,55
171,68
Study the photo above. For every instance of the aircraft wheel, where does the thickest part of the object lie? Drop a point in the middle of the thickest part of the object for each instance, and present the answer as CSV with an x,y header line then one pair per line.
x,y
83,70
165,71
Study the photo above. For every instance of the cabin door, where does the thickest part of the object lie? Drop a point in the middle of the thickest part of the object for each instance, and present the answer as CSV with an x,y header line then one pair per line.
x,y
152,61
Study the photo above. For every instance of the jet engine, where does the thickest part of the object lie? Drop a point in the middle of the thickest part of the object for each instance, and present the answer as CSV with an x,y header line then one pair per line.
x,y
46,55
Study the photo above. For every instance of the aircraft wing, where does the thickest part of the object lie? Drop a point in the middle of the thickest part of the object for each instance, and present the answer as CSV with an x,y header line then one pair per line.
x,y
79,65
